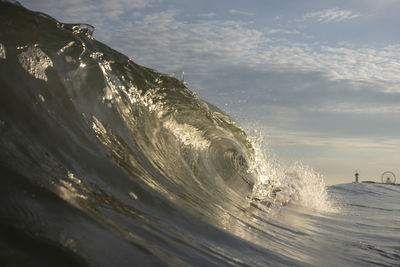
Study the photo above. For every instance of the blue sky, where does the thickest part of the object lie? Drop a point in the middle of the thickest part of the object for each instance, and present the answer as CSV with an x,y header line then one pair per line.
x,y
319,80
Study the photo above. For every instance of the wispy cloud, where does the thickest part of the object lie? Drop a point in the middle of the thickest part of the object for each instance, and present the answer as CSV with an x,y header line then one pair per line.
x,y
166,43
240,13
92,11
317,139
331,15
361,109
163,41
281,31
208,15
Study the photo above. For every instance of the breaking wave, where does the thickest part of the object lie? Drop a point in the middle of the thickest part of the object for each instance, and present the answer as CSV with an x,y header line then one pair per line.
x,y
94,145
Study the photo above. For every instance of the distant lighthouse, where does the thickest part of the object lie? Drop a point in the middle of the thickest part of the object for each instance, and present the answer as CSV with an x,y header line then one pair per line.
x,y
356,175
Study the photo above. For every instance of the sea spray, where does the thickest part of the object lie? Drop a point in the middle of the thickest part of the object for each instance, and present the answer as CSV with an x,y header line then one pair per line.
x,y
307,188
278,185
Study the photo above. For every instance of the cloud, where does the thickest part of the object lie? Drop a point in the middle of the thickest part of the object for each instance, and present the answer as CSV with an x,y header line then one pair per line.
x,y
163,41
358,108
95,12
217,42
208,15
331,15
281,31
317,139
240,13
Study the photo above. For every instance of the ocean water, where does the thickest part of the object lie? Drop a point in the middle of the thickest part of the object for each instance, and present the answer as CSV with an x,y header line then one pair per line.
x,y
107,163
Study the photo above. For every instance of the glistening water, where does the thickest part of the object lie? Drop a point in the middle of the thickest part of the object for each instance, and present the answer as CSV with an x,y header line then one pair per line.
x,y
107,163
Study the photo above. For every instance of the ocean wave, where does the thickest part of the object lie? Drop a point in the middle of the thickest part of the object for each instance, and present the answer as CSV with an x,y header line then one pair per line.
x,y
95,143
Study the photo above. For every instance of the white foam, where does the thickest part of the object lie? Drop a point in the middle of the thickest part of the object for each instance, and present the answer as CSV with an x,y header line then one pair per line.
x,y
307,188
279,185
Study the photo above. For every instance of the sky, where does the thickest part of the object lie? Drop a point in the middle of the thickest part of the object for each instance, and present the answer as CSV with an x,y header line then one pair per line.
x,y
318,81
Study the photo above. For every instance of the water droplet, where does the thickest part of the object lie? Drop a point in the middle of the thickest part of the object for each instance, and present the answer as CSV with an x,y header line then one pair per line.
x,y
133,195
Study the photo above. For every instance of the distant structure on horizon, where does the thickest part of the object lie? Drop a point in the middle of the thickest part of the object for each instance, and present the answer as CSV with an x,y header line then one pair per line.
x,y
356,175
387,177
